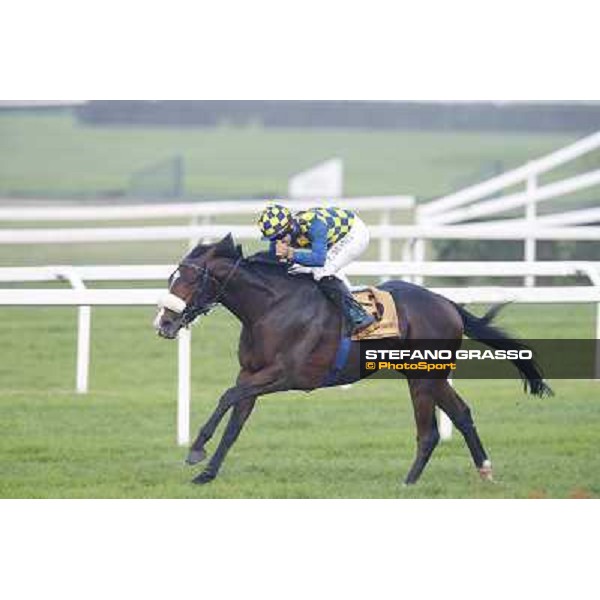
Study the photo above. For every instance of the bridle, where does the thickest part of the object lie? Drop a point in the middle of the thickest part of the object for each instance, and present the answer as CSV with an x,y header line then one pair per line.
x,y
195,307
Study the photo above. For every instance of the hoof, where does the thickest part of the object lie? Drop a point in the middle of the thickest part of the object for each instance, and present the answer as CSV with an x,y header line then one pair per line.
x,y
485,471
204,477
195,456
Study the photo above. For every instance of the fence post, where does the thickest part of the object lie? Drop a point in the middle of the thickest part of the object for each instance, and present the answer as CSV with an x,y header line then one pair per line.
x,y
385,243
206,220
184,387
193,223
418,258
445,424
84,319
83,348
407,256
594,277
597,373
530,217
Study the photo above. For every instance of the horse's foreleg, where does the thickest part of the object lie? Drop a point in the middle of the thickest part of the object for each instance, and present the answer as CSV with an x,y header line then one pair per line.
x,y
197,451
458,411
241,412
422,392
242,397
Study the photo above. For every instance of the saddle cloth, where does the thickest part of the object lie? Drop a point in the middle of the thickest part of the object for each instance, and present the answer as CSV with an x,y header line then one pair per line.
x,y
382,306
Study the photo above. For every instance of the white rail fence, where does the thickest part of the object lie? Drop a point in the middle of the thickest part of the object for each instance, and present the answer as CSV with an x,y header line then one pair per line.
x,y
574,217
475,201
437,208
142,212
383,233
201,215
85,298
439,219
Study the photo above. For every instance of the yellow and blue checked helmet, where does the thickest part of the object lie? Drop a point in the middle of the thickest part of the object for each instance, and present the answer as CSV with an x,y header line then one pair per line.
x,y
275,221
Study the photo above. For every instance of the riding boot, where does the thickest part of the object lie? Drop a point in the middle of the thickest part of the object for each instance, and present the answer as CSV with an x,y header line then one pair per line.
x,y
356,318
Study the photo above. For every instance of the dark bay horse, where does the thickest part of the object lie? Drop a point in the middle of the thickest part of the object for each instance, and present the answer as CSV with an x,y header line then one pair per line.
x,y
290,336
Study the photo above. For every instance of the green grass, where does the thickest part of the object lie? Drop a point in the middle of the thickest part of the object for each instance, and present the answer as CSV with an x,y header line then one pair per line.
x,y
119,440
53,154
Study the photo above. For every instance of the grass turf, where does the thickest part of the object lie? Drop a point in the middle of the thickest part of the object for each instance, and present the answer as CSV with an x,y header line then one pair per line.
x,y
52,154
118,441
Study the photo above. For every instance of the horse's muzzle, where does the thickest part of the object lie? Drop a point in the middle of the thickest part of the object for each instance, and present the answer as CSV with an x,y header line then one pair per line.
x,y
166,327
168,330
168,334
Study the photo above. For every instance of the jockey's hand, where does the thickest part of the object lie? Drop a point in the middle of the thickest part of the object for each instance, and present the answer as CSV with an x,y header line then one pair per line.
x,y
283,250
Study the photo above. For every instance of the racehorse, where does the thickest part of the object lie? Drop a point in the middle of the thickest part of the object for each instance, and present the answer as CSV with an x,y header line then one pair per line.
x,y
291,334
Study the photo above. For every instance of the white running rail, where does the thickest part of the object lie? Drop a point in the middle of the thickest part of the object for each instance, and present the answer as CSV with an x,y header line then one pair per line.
x,y
477,201
127,212
487,231
85,298
533,168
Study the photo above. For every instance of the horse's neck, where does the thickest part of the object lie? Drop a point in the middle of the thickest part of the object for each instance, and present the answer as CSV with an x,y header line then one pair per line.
x,y
247,294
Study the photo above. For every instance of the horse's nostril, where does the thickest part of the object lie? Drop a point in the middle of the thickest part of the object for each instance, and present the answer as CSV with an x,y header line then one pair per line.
x,y
167,330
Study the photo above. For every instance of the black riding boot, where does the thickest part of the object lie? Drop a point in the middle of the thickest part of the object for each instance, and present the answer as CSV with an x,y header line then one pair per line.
x,y
356,318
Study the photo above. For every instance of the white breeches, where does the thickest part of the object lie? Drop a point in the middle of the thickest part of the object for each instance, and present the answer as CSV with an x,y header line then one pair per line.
x,y
341,254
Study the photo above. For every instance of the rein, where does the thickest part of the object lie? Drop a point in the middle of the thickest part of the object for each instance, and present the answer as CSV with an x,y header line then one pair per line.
x,y
195,308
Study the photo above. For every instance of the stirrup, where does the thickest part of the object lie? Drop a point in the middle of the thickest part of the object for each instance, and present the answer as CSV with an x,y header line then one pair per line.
x,y
364,324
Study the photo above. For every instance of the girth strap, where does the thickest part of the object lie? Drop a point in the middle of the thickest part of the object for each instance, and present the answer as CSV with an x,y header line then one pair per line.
x,y
341,358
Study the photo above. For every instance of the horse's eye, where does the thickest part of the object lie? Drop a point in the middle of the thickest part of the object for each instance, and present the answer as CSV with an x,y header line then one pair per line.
x,y
190,275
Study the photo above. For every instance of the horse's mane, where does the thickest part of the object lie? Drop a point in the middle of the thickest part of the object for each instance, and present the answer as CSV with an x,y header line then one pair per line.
x,y
264,263
263,258
261,263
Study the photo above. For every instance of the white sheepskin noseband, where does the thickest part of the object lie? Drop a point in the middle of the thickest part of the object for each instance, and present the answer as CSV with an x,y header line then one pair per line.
x,y
172,302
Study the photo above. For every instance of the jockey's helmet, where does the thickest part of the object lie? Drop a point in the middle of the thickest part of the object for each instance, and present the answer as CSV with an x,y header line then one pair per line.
x,y
275,221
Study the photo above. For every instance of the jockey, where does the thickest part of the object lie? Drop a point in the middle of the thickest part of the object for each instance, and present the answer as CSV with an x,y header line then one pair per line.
x,y
320,241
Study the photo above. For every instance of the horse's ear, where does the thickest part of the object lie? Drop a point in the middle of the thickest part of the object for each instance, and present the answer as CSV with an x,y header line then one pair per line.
x,y
198,250
226,247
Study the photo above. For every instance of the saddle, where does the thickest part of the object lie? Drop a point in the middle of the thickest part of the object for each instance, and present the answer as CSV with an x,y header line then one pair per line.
x,y
382,306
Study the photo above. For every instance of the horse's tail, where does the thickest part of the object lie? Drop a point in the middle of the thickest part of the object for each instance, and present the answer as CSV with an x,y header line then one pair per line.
x,y
479,328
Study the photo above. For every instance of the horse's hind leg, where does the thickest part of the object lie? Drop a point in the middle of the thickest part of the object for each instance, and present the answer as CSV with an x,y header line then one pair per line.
x,y
460,415
422,393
